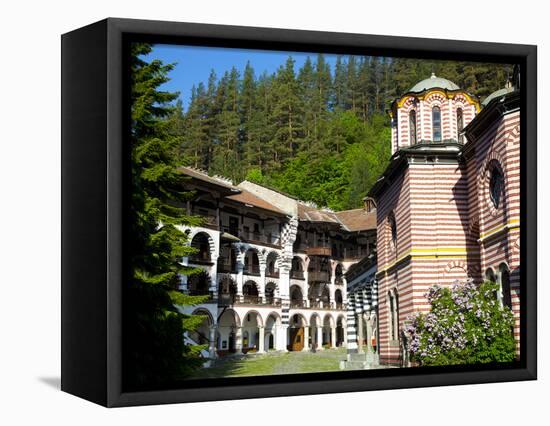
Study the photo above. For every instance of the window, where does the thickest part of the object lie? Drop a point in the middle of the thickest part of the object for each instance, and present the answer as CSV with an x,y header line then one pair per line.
x,y
496,185
436,123
412,127
490,275
459,125
394,315
393,229
506,296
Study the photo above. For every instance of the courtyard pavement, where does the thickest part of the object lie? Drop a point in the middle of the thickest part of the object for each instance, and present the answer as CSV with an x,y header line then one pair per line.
x,y
275,363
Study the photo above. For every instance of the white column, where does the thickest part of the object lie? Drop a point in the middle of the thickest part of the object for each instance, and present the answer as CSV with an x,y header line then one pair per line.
x,y
306,339
261,343
214,276
281,338
238,339
359,319
240,280
332,337
212,343
261,291
319,337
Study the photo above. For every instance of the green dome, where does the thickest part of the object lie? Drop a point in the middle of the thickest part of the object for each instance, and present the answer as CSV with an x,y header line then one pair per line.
x,y
497,94
434,82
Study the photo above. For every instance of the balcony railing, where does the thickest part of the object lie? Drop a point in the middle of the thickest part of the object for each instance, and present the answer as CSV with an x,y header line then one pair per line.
x,y
297,304
340,306
273,301
201,258
225,266
226,299
298,275
251,270
318,276
252,300
272,274
314,303
318,251
254,236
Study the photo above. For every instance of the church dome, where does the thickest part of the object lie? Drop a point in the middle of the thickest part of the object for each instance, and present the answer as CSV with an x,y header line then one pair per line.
x,y
497,94
434,82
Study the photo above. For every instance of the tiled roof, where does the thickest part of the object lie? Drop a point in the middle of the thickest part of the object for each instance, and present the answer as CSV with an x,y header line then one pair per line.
x,y
202,175
312,214
246,197
357,219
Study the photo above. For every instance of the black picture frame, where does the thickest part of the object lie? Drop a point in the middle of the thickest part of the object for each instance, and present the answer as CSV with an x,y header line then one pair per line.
x,y
93,183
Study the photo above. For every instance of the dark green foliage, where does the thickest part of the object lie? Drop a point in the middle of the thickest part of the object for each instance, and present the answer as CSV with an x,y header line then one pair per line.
x,y
316,133
154,351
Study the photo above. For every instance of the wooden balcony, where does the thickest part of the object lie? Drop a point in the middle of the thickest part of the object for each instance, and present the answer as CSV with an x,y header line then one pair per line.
x,y
318,251
318,276
297,275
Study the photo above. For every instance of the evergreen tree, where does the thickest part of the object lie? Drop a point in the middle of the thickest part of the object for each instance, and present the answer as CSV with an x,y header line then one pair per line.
x,y
286,115
227,151
154,351
278,126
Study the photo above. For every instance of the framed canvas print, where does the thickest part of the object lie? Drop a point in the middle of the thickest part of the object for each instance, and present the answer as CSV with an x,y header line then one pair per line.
x,y
253,212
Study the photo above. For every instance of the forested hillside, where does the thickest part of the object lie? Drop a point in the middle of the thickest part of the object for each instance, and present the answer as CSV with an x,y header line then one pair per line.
x,y
318,133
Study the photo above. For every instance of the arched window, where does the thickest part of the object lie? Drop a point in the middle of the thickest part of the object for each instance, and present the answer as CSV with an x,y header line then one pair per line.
x,y
393,229
496,185
459,125
490,275
506,295
436,123
412,127
394,315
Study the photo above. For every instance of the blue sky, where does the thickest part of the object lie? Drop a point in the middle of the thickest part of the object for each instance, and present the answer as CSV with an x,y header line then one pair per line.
x,y
194,63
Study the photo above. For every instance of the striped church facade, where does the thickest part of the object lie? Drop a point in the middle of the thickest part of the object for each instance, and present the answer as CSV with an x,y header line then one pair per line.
x,y
447,205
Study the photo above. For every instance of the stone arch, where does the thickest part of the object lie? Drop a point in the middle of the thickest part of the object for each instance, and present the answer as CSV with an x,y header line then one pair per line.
x,y
227,289
201,334
252,321
272,264
297,268
272,327
338,298
272,293
229,323
252,260
490,275
314,318
297,338
341,330
298,319
247,317
328,319
339,272
296,296
201,240
456,264
251,291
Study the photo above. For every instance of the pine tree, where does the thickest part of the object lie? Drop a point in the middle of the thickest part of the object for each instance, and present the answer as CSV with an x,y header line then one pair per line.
x,y
154,350
286,115
227,150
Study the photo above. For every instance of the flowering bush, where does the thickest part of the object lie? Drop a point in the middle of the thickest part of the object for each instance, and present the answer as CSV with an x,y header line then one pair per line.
x,y
466,325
